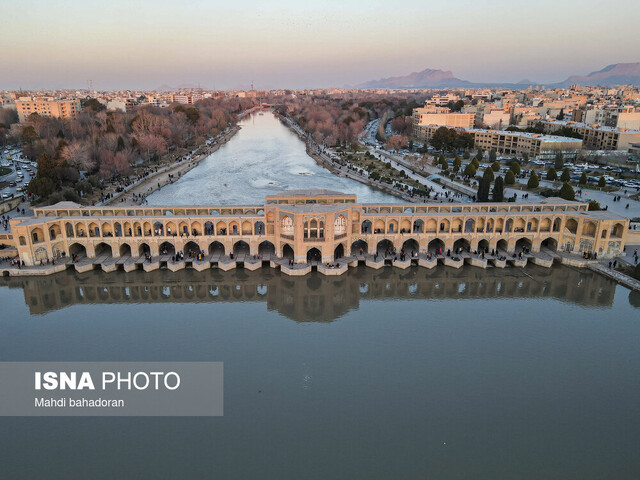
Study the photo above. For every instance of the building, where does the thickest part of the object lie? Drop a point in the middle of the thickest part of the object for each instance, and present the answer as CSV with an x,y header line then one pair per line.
x,y
440,117
308,225
47,107
498,119
595,137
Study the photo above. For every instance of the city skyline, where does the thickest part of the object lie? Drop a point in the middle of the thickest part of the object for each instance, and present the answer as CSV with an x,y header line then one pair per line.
x,y
143,44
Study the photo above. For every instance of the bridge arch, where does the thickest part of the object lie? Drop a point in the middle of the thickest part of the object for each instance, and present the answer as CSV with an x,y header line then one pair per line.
x,y
167,248
287,252
216,248
359,247
385,247
125,250
103,249
367,227
77,249
436,246
266,249
191,249
314,255
550,243
338,252
411,246
461,245
144,249
241,248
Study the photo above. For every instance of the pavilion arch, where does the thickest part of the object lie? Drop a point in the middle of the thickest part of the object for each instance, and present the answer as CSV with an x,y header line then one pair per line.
x,y
313,228
418,226
456,225
385,246
144,249
469,225
77,249
359,246
490,225
107,230
588,229
234,228
499,225
483,245
196,228
431,226
147,229
103,249
216,248
523,245
502,245
137,229
125,250
480,224
314,255
209,228
338,252
367,227
405,226
340,225
270,216
158,229
191,249
128,229
167,248
258,228
461,243
519,225
183,228
571,226
445,226
172,230
532,225
37,235
221,228
550,243
545,225
57,249
241,248
266,249
508,226
287,252
617,231
117,229
68,230
247,228
436,246
40,254
55,231
379,226
392,226
411,246
557,223
94,230
286,225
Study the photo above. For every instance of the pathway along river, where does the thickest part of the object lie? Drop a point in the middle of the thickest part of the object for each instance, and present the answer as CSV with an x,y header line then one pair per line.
x,y
376,374
263,158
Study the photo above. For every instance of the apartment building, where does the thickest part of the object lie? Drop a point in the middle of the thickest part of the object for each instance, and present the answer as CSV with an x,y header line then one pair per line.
x,y
596,137
47,107
441,117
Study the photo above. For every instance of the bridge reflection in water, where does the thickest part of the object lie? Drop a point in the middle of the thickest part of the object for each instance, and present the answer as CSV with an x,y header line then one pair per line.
x,y
314,298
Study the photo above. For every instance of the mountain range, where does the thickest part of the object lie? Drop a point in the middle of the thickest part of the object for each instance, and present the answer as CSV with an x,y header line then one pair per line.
x,y
616,74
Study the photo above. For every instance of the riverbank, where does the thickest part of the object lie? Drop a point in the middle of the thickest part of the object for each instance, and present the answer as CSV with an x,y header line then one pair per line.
x,y
136,194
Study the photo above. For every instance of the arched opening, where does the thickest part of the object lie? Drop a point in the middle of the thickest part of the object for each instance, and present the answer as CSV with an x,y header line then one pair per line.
x,y
68,230
208,228
545,225
287,252
617,230
444,225
77,250
266,250
314,228
23,241
234,228
216,248
436,246
461,245
54,232
550,243
340,225
366,226
359,247
589,229
167,248
532,225
221,228
246,228
469,226
483,246
405,226
37,235
241,248
80,230
314,255
502,245
411,247
385,248
286,225
107,230
103,249
431,226
523,245
338,252
418,226
392,227
158,229
94,230
258,228
125,250
556,225
144,249
191,250
571,226
40,254
509,225
117,228
519,225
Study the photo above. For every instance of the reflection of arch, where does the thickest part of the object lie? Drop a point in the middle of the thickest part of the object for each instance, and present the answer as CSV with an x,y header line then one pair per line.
x,y
287,251
125,249
77,249
241,248
167,248
571,226
266,248
338,252
550,243
144,249
461,243
411,246
103,249
359,245
589,229
436,246
216,248
314,255
366,226
384,246
340,225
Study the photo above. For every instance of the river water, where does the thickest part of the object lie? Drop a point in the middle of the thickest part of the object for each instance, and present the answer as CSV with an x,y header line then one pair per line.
x,y
377,374
263,158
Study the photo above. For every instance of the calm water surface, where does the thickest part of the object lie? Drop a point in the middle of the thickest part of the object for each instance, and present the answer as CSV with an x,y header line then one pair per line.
x,y
263,158
388,374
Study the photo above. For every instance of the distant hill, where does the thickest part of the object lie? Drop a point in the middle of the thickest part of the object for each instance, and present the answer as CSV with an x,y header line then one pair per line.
x,y
617,74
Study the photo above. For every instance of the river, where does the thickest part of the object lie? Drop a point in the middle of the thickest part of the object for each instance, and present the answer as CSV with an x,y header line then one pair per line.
x,y
263,158
377,374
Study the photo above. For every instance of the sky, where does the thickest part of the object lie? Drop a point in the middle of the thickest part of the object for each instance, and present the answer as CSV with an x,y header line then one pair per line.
x,y
143,44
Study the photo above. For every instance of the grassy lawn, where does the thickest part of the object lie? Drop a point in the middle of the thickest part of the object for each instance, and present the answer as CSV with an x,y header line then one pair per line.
x,y
5,171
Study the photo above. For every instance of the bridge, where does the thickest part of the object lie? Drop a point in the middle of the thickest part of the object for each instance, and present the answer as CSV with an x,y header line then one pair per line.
x,y
301,230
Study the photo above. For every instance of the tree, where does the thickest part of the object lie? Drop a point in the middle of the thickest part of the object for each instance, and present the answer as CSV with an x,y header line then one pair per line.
x,y
566,192
475,163
457,163
444,165
498,190
470,170
558,163
93,104
552,174
484,186
594,206
509,178
466,155
583,179
479,153
493,155
515,168
566,175
495,166
560,115
29,134
602,182
533,182
488,172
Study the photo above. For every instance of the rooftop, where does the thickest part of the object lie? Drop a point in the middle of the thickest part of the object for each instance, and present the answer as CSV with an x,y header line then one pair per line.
x,y
537,136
